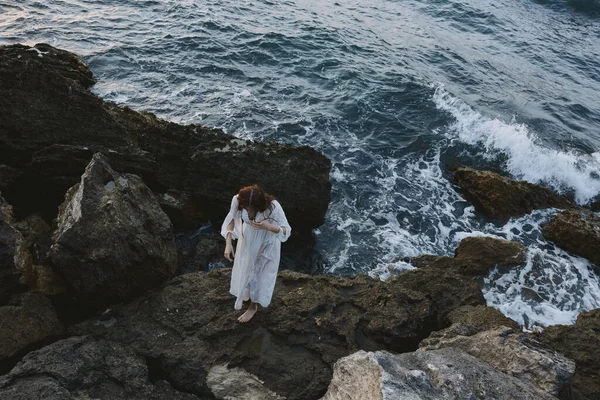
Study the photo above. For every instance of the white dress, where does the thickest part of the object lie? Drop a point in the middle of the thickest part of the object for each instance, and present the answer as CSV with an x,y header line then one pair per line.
x,y
257,253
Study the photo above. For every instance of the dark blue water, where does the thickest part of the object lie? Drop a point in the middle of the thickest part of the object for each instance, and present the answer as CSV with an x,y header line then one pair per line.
x,y
392,92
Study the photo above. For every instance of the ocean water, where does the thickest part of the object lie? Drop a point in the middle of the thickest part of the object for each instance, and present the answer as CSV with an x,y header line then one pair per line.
x,y
393,92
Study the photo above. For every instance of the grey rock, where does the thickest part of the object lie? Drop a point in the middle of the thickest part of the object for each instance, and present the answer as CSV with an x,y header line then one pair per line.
x,y
112,240
439,374
515,354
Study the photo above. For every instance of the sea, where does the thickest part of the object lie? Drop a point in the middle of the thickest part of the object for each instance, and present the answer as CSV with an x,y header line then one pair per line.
x,y
393,92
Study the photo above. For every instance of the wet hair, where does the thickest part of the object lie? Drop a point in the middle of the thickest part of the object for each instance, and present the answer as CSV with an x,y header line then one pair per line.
x,y
254,196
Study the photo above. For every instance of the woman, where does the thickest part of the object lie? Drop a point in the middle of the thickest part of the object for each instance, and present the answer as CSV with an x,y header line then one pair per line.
x,y
259,224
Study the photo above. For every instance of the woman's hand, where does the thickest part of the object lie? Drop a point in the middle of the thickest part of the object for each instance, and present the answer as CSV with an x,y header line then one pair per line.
x,y
229,252
265,225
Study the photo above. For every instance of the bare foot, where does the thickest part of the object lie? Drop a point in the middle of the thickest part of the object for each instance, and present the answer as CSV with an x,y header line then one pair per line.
x,y
247,316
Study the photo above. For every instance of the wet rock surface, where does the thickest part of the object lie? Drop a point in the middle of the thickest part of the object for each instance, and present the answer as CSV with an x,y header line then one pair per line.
x,y
476,256
577,231
189,325
501,198
581,343
52,124
438,374
85,368
29,318
112,241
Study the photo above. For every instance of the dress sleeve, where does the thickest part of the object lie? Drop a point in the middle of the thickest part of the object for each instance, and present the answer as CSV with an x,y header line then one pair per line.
x,y
280,220
230,217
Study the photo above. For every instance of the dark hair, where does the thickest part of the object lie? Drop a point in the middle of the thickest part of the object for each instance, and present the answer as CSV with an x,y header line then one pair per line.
x,y
254,196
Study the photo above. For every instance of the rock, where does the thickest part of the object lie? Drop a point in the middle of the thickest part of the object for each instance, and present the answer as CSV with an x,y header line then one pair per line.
x,y
577,231
579,342
513,354
476,256
85,368
12,252
37,240
470,320
52,124
28,319
481,318
112,241
189,325
237,384
439,374
501,198
199,253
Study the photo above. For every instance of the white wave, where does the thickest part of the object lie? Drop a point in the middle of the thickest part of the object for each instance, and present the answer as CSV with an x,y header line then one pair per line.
x,y
552,288
527,158
384,271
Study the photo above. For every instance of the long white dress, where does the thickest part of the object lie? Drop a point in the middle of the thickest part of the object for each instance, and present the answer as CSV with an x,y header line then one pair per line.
x,y
257,253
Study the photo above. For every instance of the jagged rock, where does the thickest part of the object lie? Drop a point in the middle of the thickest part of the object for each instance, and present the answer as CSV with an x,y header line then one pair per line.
x,y
28,319
52,124
439,374
112,240
502,198
85,368
577,231
189,325
512,353
581,343
12,252
476,255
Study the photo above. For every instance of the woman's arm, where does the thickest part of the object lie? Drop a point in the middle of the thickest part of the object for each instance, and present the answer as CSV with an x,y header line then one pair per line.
x,y
228,229
280,226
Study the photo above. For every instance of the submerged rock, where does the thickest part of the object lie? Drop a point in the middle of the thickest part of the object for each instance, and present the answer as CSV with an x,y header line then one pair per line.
x,y
437,375
29,318
512,353
476,256
52,124
189,326
581,343
112,241
577,231
85,368
501,198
